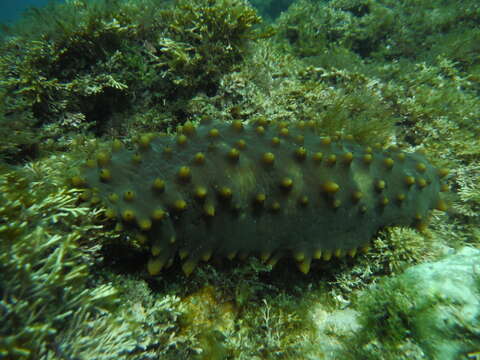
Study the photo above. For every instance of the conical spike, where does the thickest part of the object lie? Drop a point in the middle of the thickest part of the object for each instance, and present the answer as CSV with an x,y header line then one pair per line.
x,y
188,266
441,205
299,255
265,255
352,252
207,255
155,265
304,266
421,226
273,260
183,254
327,255
156,249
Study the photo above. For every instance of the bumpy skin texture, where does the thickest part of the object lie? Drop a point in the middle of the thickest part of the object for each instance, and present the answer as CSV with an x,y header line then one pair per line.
x,y
264,189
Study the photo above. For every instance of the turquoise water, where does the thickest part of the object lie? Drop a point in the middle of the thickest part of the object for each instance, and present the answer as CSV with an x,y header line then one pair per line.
x,y
11,10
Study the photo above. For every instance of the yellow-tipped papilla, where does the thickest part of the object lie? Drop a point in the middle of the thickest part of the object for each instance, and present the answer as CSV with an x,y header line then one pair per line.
x,y
206,255
110,213
129,195
156,249
303,200
327,255
136,158
128,215
380,185
421,167
209,210
225,192
144,141
409,180
330,187
441,205
145,224
214,133
77,181
304,266
199,158
233,155
286,184
103,158
158,185
158,214
275,206
299,255
188,266
422,183
184,174
276,141
352,252
357,196
183,253
442,172
317,157
237,125
268,158
188,128
347,158
264,256
331,159
179,205
367,158
200,192
388,162
240,144
155,265
326,141
105,175
300,153
182,139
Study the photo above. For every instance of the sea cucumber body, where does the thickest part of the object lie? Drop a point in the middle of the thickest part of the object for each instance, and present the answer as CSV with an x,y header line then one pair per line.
x,y
227,189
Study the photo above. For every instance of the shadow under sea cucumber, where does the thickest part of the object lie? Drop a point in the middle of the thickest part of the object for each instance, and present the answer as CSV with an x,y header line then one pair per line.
x,y
266,189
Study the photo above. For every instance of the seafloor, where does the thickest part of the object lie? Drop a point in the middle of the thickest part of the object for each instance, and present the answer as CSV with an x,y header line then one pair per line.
x,y
75,75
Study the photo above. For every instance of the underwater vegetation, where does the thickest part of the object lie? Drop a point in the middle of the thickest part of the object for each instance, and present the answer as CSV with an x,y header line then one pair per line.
x,y
271,9
436,317
43,271
80,77
81,64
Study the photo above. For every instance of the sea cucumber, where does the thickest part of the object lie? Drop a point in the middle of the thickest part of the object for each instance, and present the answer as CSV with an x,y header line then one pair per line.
x,y
268,189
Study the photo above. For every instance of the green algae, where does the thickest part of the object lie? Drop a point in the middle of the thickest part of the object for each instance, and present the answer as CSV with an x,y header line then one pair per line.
x,y
44,274
91,64
418,314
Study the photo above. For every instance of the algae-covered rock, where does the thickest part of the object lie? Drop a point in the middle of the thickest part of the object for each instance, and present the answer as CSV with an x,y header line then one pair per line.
x,y
451,327
431,311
